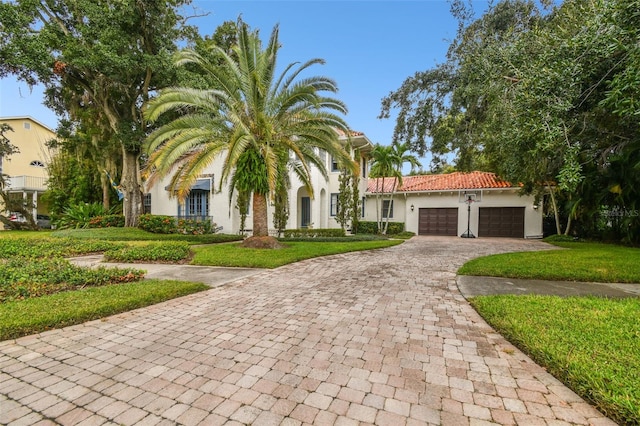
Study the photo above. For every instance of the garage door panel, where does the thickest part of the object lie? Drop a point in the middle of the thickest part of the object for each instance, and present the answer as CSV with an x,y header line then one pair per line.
x,y
438,221
505,222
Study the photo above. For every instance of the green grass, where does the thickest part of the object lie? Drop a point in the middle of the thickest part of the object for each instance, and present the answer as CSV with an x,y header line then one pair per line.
x,y
155,251
236,256
590,344
135,234
24,317
46,247
589,262
24,234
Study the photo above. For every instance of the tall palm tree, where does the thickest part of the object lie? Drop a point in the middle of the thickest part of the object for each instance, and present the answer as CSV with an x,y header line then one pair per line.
x,y
250,116
388,162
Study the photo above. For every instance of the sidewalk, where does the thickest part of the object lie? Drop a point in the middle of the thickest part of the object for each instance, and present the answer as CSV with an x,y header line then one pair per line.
x,y
471,286
376,337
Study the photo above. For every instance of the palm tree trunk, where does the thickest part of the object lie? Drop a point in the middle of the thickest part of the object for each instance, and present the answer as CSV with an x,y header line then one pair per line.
x,y
393,191
260,218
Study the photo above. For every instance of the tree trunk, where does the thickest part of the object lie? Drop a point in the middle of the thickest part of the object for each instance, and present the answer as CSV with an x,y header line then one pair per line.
x,y
130,183
566,231
379,217
555,210
393,191
386,223
106,187
260,218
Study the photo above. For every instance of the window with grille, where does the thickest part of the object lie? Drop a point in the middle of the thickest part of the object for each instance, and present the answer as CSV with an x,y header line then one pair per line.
x,y
196,205
334,165
387,209
146,204
333,211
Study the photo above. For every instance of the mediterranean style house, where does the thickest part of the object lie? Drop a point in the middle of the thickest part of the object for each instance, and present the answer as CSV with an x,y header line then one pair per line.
x,y
27,168
206,200
475,204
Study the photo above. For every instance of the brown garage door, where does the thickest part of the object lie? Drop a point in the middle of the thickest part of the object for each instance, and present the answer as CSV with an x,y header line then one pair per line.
x,y
438,221
501,222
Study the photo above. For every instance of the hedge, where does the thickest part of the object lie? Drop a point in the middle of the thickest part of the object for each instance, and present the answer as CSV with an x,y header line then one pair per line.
x,y
160,224
107,221
313,233
372,228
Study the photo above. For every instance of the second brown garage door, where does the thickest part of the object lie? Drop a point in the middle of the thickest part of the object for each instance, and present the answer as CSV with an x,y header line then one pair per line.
x,y
501,222
438,221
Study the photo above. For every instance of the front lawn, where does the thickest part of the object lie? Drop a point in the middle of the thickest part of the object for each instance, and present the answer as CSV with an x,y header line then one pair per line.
x,y
590,344
234,255
589,262
34,315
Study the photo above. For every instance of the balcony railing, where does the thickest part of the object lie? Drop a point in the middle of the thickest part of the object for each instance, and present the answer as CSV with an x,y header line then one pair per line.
x,y
26,183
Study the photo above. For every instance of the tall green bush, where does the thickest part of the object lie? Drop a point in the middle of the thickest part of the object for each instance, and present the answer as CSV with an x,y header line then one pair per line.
x,y
372,228
107,221
160,224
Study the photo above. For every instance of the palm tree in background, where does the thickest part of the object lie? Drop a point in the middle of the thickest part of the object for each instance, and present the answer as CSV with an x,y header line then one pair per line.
x,y
388,162
252,117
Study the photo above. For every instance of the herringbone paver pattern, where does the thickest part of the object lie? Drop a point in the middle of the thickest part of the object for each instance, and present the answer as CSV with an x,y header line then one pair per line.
x,y
380,337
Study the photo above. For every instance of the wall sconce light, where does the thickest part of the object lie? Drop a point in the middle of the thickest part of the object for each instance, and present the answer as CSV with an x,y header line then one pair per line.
x,y
412,207
535,207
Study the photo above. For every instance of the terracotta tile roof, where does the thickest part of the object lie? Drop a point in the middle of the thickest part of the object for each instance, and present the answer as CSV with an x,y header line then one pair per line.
x,y
351,133
445,182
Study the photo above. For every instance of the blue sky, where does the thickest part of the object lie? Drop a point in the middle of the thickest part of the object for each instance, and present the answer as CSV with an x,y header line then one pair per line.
x,y
370,48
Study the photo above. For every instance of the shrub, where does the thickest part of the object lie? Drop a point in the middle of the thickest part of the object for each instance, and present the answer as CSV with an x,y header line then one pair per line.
x,y
173,251
372,228
107,221
348,239
194,226
312,233
559,238
24,278
79,215
157,224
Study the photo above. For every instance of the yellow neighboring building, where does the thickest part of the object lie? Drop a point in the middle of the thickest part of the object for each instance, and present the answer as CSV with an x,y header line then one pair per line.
x,y
27,169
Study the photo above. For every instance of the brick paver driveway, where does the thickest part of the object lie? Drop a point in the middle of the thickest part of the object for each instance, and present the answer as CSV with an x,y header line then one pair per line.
x,y
381,337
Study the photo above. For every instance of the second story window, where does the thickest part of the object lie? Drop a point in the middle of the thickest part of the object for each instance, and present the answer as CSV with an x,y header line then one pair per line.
x,y
334,165
37,163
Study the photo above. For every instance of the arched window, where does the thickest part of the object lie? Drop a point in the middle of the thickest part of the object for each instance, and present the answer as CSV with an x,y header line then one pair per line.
x,y
36,163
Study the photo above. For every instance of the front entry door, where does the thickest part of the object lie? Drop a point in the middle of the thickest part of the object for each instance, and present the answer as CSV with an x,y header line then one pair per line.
x,y
305,212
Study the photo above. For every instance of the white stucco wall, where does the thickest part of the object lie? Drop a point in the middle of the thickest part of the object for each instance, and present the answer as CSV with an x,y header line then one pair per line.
x,y
163,204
